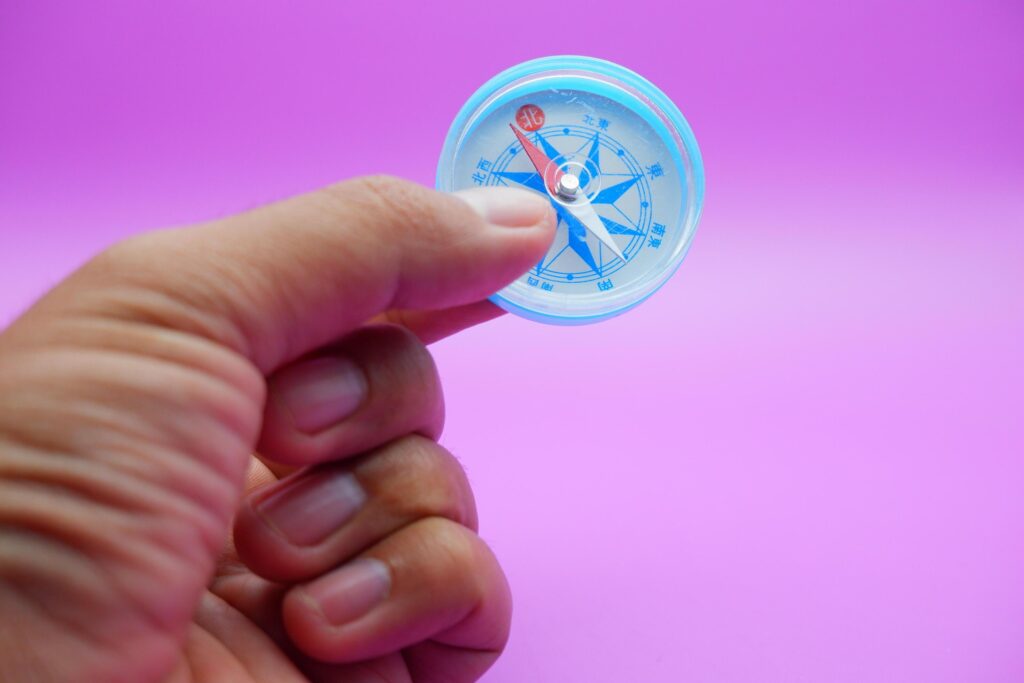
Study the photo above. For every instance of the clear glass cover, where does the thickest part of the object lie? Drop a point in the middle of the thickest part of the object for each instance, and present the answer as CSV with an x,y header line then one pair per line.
x,y
627,227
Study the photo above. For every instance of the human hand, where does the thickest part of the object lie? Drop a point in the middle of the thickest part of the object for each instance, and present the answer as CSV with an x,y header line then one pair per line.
x,y
134,395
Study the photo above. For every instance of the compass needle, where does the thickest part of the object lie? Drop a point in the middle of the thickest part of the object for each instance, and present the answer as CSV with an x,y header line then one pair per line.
x,y
592,222
617,161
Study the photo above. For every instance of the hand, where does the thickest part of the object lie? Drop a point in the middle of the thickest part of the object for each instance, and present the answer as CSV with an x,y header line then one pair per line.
x,y
132,399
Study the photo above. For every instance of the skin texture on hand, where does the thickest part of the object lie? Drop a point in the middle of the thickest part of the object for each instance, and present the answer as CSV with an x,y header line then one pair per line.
x,y
218,456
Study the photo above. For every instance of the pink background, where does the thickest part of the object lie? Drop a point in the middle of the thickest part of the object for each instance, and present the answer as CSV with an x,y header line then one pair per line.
x,y
802,461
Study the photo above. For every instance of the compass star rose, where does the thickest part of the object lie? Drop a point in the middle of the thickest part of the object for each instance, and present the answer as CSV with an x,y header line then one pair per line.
x,y
576,230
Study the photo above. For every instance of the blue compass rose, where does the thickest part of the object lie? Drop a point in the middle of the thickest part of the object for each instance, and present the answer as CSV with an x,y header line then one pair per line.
x,y
620,195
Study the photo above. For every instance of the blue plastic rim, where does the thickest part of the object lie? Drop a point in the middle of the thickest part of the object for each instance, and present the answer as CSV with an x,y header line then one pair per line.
x,y
658,104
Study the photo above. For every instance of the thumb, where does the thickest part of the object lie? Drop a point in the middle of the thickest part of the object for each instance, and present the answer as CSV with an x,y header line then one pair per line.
x,y
131,399
279,281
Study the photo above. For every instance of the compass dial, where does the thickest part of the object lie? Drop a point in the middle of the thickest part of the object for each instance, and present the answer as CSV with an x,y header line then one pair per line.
x,y
618,163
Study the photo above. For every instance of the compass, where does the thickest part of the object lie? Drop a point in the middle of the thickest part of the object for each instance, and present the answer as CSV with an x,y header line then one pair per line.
x,y
616,159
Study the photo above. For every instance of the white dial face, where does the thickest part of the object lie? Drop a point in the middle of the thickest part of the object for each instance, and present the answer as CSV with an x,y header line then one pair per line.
x,y
615,184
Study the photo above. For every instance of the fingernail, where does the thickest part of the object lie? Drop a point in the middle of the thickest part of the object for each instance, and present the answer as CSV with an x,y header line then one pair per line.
x,y
506,206
348,593
310,508
322,392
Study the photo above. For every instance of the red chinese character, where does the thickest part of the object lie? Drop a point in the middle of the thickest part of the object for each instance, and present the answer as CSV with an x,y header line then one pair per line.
x,y
530,117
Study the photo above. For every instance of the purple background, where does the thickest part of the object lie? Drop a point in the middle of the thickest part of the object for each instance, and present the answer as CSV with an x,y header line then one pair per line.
x,y
801,461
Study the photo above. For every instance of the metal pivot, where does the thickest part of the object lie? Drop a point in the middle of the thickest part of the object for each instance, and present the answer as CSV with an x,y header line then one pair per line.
x,y
567,186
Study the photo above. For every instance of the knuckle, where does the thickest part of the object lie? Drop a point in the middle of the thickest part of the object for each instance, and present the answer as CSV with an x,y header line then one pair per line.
x,y
457,556
382,184
397,201
401,345
458,550
404,379
412,209
418,479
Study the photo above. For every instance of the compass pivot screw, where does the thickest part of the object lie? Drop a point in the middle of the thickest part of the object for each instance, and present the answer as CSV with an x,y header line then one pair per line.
x,y
568,186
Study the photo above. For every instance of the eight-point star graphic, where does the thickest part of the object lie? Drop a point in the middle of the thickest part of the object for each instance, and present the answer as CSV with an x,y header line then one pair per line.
x,y
576,231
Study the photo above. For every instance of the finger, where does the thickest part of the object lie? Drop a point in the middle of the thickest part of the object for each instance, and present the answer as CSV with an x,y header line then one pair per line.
x,y
258,476
432,580
281,281
374,385
246,643
259,601
431,326
305,524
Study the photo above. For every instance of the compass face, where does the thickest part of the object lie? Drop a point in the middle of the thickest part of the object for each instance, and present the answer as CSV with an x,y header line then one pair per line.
x,y
618,164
